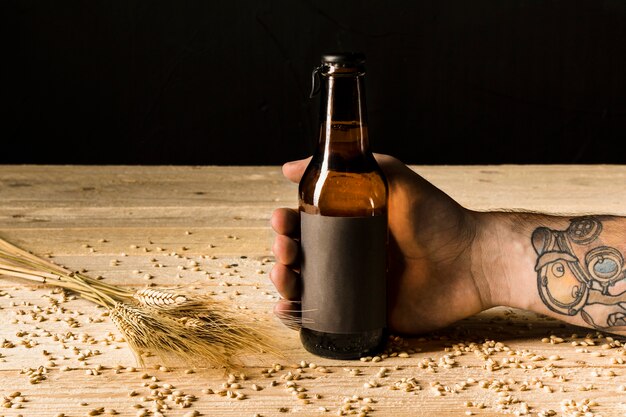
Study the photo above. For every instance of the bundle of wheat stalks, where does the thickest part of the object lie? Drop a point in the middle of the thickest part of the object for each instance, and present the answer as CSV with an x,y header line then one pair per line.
x,y
169,324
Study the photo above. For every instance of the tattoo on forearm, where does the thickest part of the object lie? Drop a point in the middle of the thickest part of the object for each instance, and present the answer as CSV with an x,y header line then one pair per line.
x,y
578,272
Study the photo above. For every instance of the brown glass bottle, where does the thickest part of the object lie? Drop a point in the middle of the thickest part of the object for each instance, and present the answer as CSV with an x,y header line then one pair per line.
x,y
343,210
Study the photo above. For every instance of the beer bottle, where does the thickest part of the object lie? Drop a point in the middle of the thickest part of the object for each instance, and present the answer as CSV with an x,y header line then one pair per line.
x,y
343,215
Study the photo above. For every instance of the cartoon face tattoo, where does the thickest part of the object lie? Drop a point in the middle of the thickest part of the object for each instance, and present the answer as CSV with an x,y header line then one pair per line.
x,y
575,271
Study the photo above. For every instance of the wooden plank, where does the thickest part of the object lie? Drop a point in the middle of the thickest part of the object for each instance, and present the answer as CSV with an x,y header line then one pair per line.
x,y
218,241
129,186
554,189
571,188
209,215
111,391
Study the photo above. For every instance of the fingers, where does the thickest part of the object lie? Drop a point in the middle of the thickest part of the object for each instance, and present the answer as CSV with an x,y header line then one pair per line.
x,y
286,222
293,170
286,281
289,313
285,250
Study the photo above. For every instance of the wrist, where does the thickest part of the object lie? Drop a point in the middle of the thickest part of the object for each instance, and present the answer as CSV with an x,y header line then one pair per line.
x,y
503,255
488,266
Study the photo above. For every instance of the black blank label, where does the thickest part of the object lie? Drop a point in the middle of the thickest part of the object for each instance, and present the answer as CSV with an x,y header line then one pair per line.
x,y
343,273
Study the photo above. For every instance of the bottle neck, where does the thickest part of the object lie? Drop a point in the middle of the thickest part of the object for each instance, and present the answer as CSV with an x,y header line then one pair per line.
x,y
343,116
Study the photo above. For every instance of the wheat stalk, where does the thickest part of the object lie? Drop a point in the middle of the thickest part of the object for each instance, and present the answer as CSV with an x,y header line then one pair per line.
x,y
169,324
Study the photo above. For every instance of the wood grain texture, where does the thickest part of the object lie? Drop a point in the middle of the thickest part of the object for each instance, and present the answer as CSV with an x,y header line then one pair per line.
x,y
86,217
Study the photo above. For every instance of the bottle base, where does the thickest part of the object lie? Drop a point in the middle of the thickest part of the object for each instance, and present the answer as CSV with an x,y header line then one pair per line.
x,y
343,346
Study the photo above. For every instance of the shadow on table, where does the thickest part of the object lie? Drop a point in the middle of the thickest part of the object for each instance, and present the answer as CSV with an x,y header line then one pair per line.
x,y
499,324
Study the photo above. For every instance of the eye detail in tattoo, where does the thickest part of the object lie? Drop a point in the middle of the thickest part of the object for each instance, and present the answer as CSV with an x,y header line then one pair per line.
x,y
577,271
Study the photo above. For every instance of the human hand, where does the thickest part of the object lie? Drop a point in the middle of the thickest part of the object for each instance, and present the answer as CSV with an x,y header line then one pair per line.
x,y
430,279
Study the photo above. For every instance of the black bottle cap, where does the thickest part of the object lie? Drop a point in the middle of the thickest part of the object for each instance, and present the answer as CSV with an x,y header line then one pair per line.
x,y
344,58
353,62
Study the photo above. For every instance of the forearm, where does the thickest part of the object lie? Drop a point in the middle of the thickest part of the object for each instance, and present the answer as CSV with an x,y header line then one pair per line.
x,y
571,268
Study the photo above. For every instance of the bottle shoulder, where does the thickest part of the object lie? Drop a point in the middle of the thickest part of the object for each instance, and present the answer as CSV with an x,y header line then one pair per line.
x,y
362,163
344,191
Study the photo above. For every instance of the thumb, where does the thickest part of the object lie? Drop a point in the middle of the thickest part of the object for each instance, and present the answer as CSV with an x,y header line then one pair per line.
x,y
293,170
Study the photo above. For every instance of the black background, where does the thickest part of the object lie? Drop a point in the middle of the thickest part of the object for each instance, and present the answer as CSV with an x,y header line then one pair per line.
x,y
227,82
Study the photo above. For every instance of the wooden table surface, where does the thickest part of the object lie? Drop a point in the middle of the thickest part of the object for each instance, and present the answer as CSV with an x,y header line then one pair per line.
x,y
87,217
